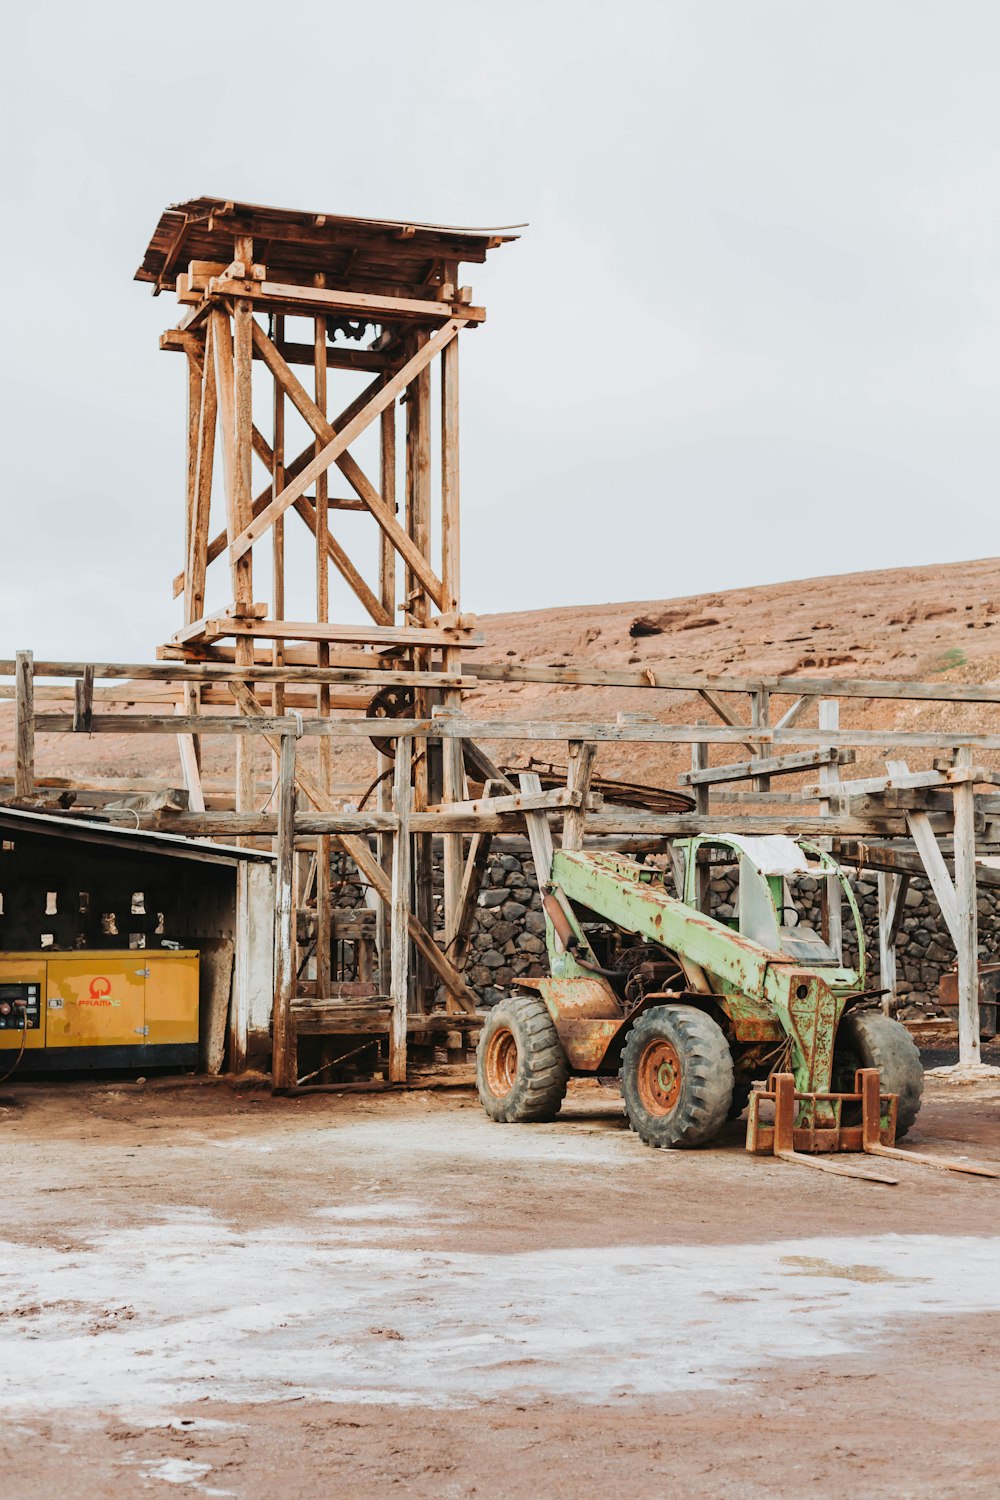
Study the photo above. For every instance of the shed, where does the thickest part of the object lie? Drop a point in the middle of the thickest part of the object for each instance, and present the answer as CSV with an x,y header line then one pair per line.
x,y
68,884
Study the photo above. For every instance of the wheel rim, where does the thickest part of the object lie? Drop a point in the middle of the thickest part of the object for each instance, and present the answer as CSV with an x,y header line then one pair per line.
x,y
501,1062
659,1077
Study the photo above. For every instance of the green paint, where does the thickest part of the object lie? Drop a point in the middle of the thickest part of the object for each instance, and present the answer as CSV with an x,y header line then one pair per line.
x,y
766,993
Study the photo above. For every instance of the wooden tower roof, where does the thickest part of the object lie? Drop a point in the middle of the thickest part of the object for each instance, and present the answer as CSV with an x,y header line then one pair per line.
x,y
295,244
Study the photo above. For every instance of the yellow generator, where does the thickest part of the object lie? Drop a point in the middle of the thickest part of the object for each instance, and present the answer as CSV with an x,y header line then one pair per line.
x,y
100,1008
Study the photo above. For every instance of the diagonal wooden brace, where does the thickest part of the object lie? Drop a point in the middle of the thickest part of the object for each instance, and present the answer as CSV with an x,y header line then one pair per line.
x,y
343,439
357,849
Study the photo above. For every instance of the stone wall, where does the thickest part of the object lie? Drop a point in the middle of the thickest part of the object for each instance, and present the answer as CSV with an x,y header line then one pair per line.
x,y
509,934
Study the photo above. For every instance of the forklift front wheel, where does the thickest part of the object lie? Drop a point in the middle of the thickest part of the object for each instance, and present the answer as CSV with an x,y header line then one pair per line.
x,y
521,1068
676,1076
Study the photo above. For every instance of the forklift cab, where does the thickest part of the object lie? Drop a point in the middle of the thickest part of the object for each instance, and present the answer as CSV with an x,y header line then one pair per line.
x,y
775,874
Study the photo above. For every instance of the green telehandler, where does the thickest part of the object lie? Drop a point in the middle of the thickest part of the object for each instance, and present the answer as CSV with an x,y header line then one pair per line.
x,y
692,1000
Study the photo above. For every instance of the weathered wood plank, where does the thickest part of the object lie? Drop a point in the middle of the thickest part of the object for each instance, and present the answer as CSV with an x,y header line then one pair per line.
x,y
775,765
24,725
966,935
399,936
283,1035
579,769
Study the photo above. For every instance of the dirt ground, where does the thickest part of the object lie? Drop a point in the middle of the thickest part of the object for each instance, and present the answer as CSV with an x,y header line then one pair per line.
x,y
209,1291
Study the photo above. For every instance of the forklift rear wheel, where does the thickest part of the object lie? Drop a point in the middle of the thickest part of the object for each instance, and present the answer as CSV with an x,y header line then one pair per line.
x,y
521,1068
676,1076
868,1039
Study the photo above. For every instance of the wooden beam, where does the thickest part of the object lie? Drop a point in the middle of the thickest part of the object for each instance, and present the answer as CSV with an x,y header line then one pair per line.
x,y
542,730
833,907
555,800
283,1037
309,299
723,712
196,562
216,628
399,983
776,765
539,832
580,766
207,672
891,890
791,715
912,781
932,859
472,880
83,702
450,493
195,372
24,726
324,902
342,441
584,674
966,937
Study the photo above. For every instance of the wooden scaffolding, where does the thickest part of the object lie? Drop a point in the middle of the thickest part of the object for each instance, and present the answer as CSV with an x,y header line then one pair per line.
x,y
378,304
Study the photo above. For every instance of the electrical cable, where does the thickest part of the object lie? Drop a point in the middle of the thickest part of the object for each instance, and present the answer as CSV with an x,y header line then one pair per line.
x,y
20,1051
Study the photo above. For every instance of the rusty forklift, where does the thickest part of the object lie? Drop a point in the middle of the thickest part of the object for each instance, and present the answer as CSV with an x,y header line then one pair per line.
x,y
705,1002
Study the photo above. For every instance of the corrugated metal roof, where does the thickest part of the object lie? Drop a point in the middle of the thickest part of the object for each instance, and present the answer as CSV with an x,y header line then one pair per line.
x,y
85,830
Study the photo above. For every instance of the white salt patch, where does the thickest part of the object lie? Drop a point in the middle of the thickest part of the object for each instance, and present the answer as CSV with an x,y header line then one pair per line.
x,y
279,1315
183,1471
396,1208
606,1141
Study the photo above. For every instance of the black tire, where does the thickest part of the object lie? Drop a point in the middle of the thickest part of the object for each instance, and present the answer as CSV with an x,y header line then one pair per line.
x,y
868,1039
521,1068
676,1076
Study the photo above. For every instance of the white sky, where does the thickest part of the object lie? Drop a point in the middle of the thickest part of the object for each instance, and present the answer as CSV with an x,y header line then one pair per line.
x,y
753,331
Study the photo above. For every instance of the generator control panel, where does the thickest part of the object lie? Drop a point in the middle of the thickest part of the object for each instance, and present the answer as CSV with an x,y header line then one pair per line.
x,y
20,1007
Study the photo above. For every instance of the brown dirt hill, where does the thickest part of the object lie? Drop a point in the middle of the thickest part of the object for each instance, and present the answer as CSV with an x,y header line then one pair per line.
x,y
924,623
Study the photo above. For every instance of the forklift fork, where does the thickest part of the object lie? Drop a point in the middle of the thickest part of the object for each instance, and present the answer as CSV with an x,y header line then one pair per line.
x,y
807,1143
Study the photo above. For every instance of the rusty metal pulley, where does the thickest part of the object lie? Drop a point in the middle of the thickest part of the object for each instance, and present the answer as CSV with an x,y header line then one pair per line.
x,y
390,703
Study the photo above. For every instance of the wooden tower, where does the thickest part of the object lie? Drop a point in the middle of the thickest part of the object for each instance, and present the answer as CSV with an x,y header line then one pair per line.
x,y
313,300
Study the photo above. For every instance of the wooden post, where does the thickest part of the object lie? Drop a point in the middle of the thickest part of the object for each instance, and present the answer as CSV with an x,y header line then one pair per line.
x,y
83,702
196,556
24,725
387,477
400,939
282,1039
760,718
242,506
418,503
196,376
387,597
452,758
190,770
967,940
539,832
702,792
383,848
278,529
580,767
323,902
891,893
829,718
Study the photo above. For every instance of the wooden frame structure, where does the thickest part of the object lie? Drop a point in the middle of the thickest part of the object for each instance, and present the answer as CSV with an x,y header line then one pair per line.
x,y
244,275
942,822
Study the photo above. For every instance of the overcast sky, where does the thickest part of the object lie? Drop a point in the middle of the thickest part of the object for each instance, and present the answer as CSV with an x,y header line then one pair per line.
x,y
752,332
